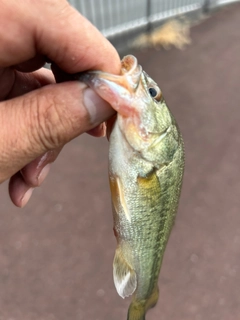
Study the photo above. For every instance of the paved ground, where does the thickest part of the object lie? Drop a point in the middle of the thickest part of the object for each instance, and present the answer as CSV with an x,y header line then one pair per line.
x,y
56,254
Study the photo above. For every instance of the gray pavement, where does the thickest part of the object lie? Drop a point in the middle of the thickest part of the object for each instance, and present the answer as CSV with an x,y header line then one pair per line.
x,y
56,254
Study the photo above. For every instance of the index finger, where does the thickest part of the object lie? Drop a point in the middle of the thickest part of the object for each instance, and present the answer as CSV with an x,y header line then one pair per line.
x,y
55,29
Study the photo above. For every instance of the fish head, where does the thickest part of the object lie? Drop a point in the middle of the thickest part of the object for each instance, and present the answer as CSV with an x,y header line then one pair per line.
x,y
143,116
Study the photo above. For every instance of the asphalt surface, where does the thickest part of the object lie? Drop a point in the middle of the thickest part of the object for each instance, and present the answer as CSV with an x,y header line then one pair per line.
x,y
56,254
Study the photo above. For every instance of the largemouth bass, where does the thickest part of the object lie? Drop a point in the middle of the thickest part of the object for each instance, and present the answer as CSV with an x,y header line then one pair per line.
x,y
146,163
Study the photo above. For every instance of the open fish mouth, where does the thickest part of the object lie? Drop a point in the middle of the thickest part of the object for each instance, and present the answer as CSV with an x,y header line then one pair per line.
x,y
129,64
118,90
129,77
131,70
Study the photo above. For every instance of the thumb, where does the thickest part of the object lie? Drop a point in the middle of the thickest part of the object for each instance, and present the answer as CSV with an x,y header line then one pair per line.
x,y
46,119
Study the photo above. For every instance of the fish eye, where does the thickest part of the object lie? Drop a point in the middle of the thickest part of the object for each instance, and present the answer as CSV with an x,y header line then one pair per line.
x,y
155,93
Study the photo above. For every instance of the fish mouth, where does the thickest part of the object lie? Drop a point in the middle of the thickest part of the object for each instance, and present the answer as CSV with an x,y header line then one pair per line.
x,y
131,70
129,64
129,77
117,90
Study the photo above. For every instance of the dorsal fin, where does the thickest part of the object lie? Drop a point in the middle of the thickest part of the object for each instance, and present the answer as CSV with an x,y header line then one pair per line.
x,y
124,276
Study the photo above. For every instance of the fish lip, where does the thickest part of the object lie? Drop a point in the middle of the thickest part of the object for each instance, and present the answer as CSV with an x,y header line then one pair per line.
x,y
129,63
131,70
129,77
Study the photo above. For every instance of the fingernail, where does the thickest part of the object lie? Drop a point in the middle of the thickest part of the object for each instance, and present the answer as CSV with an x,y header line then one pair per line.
x,y
99,110
26,197
42,175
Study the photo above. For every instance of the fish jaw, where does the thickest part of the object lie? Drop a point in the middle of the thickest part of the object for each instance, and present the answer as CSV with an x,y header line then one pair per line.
x,y
118,90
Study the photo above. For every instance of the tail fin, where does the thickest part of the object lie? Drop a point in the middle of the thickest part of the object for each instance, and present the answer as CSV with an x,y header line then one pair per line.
x,y
138,309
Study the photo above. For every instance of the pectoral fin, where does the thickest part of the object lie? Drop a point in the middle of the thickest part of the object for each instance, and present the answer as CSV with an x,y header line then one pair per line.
x,y
124,276
118,196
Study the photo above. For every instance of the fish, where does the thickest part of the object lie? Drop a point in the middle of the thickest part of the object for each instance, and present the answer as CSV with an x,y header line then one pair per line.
x,y
146,165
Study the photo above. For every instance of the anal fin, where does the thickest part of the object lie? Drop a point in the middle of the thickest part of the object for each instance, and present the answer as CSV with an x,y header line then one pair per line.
x,y
124,276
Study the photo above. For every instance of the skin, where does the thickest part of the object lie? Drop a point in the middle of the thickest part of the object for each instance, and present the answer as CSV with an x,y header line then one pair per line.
x,y
37,115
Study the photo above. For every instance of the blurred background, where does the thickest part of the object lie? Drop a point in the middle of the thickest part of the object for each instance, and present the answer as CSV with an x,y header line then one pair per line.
x,y
56,254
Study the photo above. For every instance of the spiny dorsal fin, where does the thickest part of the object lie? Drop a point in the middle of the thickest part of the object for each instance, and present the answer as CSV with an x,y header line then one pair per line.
x,y
124,276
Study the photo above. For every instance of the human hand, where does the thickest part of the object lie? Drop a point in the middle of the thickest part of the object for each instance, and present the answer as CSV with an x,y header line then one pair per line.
x,y
38,116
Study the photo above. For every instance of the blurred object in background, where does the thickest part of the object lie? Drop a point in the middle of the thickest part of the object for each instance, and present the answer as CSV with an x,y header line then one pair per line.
x,y
121,21
172,33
